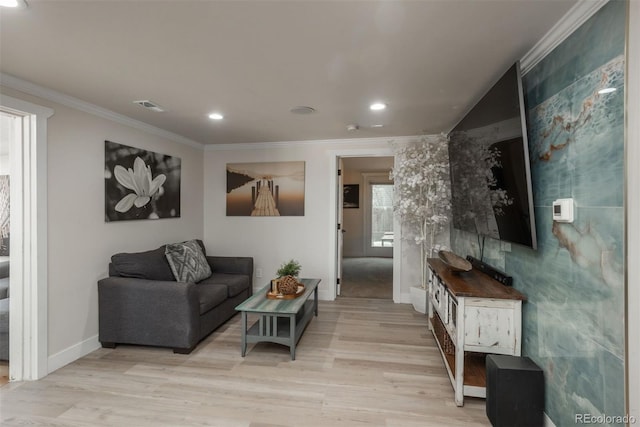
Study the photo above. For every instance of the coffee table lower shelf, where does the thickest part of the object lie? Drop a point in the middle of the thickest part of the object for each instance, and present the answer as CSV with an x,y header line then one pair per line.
x,y
285,329
279,321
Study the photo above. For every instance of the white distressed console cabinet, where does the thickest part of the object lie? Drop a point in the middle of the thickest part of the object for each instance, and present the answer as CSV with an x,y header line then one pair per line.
x,y
472,315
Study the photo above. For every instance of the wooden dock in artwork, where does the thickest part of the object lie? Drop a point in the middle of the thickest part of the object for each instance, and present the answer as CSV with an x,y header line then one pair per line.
x,y
265,202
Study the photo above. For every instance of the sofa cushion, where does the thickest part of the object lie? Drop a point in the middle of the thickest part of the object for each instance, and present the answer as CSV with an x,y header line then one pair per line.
x,y
235,283
210,296
201,244
187,261
150,265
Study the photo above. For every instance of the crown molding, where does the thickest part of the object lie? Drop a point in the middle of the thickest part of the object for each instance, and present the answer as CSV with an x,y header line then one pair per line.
x,y
33,89
69,101
574,18
288,144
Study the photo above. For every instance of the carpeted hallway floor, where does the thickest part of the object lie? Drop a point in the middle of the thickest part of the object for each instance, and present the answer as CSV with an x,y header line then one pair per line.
x,y
367,278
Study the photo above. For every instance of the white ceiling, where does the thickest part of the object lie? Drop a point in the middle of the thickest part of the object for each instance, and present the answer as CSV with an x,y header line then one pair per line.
x,y
255,60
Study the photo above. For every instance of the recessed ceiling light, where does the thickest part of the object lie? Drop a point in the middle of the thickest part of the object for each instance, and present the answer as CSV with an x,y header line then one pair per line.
x,y
13,3
607,90
216,116
377,126
377,106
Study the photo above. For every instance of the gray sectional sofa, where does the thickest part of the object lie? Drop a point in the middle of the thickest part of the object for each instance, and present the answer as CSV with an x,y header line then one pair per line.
x,y
142,303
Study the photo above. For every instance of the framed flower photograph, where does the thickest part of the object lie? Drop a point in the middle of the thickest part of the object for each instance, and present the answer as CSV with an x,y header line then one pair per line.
x,y
140,184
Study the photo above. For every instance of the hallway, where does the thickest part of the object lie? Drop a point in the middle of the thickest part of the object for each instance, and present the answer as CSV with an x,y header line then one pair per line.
x,y
370,277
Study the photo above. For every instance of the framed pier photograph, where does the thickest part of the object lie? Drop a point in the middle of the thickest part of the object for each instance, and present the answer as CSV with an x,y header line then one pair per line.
x,y
265,189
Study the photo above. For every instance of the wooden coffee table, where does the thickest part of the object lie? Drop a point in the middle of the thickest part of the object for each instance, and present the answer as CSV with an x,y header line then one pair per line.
x,y
280,321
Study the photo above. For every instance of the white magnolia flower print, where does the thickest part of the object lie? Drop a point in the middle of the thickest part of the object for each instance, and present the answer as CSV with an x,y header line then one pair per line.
x,y
138,180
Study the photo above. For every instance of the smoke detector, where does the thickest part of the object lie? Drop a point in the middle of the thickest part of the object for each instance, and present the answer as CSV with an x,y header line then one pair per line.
x,y
353,127
150,105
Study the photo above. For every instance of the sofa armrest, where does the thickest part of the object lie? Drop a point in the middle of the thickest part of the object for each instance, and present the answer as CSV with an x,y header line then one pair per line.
x,y
148,312
232,265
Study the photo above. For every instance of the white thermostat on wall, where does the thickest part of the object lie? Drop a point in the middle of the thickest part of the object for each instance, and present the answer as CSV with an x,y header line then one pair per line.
x,y
563,210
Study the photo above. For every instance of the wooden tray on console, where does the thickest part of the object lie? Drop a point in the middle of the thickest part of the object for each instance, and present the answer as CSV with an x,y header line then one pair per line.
x,y
300,291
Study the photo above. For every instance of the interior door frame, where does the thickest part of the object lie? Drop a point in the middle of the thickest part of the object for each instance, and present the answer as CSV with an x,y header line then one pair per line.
x,y
28,307
340,221
334,156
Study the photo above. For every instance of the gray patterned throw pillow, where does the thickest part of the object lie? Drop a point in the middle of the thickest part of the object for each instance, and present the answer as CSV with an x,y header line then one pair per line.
x,y
187,261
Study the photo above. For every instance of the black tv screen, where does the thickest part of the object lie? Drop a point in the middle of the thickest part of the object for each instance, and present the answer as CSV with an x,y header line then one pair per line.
x,y
489,162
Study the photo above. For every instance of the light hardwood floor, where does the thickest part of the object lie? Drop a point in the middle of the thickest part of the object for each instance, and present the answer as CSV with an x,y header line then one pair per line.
x,y
362,362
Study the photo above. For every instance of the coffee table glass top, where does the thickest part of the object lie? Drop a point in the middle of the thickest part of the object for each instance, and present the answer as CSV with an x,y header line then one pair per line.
x,y
259,303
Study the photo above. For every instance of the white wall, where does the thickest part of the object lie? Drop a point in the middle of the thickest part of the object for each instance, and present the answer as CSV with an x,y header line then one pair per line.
x,y
80,243
4,165
271,240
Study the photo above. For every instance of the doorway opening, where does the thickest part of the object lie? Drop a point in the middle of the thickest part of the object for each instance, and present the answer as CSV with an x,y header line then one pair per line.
x,y
367,228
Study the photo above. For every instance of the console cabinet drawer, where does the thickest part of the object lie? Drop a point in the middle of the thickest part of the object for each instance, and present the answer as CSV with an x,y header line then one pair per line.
x,y
490,326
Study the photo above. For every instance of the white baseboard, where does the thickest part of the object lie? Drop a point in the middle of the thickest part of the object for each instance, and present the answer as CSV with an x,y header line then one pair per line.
x,y
75,352
405,298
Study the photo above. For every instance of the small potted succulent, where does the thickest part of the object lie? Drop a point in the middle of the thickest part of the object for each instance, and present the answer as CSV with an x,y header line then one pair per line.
x,y
287,281
289,268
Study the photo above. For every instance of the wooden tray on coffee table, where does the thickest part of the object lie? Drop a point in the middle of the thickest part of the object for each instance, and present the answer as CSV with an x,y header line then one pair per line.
x,y
300,291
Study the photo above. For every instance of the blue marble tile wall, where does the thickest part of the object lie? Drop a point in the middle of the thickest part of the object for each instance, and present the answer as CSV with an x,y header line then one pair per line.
x,y
573,322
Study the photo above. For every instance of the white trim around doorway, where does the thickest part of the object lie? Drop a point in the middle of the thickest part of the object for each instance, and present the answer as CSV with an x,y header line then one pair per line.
x,y
28,345
334,155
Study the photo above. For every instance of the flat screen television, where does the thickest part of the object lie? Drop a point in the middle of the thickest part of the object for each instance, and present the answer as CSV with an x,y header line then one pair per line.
x,y
489,164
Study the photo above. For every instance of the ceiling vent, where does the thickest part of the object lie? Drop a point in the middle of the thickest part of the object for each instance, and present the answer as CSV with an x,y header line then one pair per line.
x,y
303,110
150,105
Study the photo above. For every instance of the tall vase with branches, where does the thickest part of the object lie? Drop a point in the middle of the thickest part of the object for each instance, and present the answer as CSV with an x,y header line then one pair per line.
x,y
422,193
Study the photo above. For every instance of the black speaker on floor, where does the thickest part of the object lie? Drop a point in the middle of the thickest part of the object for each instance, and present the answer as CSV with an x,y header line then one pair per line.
x,y
515,391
